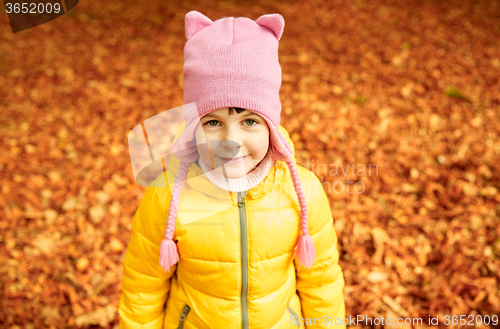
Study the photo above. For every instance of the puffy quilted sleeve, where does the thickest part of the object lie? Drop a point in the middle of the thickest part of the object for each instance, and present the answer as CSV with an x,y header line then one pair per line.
x,y
320,287
145,285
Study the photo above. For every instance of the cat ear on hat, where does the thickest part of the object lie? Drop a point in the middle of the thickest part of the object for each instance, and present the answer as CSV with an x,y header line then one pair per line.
x,y
195,21
274,22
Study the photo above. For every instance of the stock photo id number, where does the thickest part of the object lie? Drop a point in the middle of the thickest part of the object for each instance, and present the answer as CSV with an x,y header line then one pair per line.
x,y
24,15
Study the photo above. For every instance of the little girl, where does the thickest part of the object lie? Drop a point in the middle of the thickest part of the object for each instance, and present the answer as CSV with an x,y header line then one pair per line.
x,y
249,240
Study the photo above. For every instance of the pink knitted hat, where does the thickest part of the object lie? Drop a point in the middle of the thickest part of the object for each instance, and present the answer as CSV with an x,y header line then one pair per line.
x,y
232,62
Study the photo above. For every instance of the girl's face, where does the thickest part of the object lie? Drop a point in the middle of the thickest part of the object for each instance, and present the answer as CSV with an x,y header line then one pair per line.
x,y
242,137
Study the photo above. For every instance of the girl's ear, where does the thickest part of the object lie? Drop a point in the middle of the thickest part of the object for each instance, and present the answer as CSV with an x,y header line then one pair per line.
x,y
195,21
274,22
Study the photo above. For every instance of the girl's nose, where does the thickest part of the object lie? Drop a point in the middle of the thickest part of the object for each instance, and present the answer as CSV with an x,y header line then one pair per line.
x,y
231,139
230,144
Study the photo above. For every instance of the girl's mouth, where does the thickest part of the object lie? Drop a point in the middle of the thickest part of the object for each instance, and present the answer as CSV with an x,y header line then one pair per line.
x,y
232,160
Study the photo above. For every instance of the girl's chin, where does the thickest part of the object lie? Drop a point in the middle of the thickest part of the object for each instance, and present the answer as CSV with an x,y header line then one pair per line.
x,y
233,173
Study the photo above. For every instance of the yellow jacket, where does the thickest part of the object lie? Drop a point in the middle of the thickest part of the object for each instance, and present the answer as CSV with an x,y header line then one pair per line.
x,y
237,266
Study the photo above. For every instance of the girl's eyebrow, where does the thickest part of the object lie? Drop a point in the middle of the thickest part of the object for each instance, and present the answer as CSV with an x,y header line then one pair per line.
x,y
211,115
218,117
249,114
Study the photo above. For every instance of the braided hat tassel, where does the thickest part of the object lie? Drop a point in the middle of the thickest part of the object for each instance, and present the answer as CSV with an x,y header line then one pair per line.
x,y
169,254
306,251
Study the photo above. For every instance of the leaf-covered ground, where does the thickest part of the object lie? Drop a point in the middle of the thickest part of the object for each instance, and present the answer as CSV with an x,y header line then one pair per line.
x,y
395,105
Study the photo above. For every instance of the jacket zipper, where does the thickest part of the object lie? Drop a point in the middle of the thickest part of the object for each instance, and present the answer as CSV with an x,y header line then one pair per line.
x,y
183,315
244,259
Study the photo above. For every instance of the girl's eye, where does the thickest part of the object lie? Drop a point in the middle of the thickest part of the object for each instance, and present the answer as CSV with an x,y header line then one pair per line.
x,y
251,120
214,123
208,123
